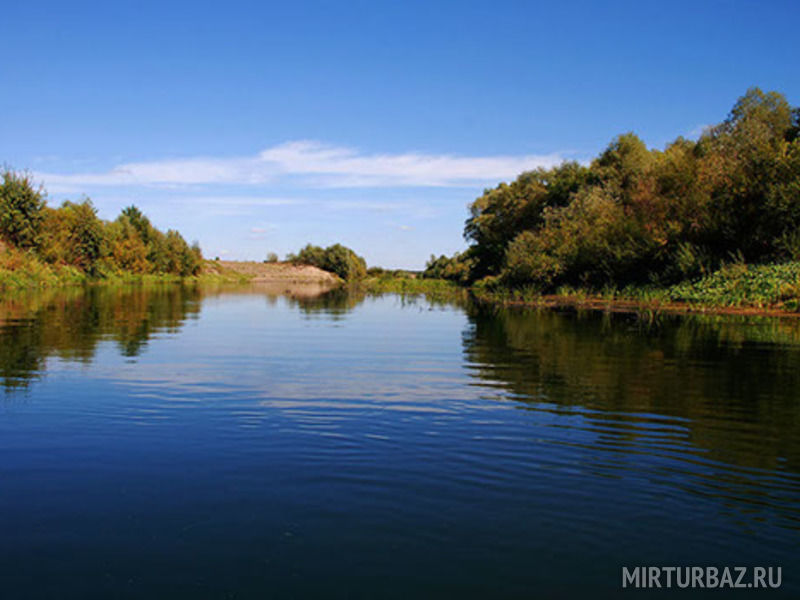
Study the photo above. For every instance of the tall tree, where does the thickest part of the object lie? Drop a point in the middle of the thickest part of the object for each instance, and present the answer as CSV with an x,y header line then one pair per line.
x,y
20,210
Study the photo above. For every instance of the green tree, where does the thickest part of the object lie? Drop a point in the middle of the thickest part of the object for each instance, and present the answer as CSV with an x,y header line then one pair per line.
x,y
639,215
500,214
21,208
85,235
139,222
751,171
456,268
127,250
336,259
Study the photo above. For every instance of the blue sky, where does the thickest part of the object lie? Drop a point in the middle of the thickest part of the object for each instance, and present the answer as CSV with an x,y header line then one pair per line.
x,y
256,127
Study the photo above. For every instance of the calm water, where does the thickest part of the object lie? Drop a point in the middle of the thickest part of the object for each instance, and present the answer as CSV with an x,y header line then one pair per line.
x,y
179,443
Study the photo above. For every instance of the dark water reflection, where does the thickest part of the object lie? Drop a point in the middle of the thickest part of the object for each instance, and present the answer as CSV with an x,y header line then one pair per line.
x,y
212,442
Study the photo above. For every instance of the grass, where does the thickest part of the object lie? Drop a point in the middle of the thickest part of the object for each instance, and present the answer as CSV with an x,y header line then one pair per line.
x,y
408,285
21,270
437,290
738,285
773,287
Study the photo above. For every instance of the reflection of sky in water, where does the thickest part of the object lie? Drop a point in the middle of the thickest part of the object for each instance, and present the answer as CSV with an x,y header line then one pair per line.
x,y
489,441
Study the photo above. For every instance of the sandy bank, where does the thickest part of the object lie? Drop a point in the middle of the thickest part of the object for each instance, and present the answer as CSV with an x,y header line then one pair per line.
x,y
259,272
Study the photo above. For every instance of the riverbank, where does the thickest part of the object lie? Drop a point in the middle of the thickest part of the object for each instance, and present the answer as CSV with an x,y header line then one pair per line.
x,y
21,270
769,290
275,272
737,289
405,283
584,301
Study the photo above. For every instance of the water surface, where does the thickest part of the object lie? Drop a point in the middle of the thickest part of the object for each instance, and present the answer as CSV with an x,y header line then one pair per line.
x,y
176,442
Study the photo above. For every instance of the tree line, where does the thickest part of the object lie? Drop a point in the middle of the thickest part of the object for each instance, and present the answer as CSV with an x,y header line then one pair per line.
x,y
73,234
641,216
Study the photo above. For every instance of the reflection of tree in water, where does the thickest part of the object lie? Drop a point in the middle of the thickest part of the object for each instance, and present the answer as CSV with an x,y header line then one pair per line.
x,y
731,388
70,323
333,304
138,315
336,303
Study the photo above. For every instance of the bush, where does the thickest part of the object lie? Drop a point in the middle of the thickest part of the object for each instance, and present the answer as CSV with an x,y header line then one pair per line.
x,y
457,268
336,259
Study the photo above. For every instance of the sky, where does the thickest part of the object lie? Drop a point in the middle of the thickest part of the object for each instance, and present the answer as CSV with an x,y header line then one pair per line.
x,y
256,127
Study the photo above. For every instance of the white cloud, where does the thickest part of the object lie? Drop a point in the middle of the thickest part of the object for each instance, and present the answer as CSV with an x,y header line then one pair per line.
x,y
697,131
261,232
312,164
242,200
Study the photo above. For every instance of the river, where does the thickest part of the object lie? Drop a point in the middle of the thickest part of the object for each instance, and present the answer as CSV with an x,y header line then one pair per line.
x,y
189,442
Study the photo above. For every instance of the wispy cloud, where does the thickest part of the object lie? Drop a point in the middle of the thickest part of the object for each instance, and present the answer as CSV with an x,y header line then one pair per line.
x,y
697,131
261,232
310,164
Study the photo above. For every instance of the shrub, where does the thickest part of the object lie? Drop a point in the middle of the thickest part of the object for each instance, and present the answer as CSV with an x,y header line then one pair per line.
x,y
457,268
336,259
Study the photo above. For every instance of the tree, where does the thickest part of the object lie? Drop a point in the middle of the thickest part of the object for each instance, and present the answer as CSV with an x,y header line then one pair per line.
x,y
21,208
128,251
456,268
337,259
139,222
500,214
638,215
85,234
750,167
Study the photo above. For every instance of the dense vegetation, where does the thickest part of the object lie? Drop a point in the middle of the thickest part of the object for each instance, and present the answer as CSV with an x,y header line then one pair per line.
x,y
637,216
744,285
72,239
337,259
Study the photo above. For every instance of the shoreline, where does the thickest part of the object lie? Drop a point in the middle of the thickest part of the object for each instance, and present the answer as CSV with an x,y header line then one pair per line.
x,y
625,306
36,275
579,301
286,274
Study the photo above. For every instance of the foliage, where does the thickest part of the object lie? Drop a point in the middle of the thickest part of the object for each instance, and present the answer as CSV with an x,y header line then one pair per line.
x,y
20,210
73,236
642,217
85,243
456,268
500,214
22,269
127,248
744,285
401,282
272,257
336,259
